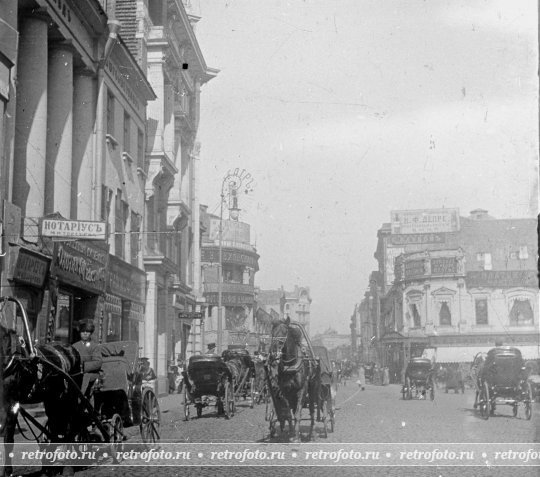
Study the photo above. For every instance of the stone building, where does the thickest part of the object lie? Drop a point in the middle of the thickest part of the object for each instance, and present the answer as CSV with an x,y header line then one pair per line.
x,y
161,36
456,285
239,264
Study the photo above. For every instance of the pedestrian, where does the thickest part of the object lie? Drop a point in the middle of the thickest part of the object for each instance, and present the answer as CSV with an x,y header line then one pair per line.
x,y
361,377
386,376
211,348
147,373
90,355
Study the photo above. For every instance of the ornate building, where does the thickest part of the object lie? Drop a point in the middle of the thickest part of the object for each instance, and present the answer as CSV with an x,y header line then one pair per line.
x,y
161,35
239,265
455,284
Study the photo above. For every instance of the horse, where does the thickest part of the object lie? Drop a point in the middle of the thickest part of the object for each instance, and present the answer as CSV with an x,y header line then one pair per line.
x,y
241,368
475,372
33,375
291,377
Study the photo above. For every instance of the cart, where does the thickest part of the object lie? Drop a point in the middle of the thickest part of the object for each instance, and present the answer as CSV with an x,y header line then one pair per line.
x,y
419,379
207,377
121,397
242,369
503,380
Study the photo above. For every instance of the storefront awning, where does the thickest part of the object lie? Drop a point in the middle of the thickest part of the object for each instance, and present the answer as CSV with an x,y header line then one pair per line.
x,y
466,354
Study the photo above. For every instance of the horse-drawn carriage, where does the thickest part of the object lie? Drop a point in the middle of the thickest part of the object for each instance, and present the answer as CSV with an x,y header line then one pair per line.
x,y
242,369
419,379
296,379
208,376
501,379
52,374
326,407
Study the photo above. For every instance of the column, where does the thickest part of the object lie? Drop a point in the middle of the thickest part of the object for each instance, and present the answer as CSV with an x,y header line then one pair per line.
x,y
149,337
429,320
60,130
84,115
168,124
31,118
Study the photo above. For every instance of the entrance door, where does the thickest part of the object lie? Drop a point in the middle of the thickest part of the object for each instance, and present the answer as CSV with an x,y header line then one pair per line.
x,y
64,317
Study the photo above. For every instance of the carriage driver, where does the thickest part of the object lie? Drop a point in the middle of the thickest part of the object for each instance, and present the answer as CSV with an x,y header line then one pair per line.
x,y
90,355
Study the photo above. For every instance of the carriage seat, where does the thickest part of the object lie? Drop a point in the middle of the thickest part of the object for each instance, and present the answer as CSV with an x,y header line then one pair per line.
x,y
115,367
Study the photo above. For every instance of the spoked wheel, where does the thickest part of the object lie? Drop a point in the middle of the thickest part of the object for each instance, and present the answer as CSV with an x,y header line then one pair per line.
x,y
186,405
116,435
528,402
252,392
408,385
150,418
485,403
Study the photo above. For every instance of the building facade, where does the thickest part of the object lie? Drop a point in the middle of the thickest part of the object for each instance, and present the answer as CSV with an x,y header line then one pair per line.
x,y
161,36
239,264
455,285
66,256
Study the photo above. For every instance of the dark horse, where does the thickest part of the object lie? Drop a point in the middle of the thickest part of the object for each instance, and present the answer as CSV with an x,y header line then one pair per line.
x,y
242,370
292,377
33,375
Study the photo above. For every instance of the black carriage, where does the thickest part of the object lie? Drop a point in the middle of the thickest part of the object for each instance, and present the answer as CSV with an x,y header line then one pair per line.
x,y
244,383
326,407
117,399
121,396
503,380
419,379
207,377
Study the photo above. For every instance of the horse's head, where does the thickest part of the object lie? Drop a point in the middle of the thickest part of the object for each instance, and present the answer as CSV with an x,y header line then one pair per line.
x,y
286,340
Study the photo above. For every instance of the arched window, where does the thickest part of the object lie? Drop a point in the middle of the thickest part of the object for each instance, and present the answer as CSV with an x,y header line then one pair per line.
x,y
521,313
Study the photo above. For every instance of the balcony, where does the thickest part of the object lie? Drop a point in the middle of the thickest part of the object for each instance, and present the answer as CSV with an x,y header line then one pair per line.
x,y
229,288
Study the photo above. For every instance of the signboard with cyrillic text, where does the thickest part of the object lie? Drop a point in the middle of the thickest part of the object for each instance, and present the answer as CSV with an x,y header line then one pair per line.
x,y
80,229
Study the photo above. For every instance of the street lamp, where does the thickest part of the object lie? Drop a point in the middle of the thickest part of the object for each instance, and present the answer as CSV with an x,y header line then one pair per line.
x,y
234,180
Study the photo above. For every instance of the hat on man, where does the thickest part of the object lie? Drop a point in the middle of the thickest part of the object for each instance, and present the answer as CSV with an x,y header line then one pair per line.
x,y
86,325
211,346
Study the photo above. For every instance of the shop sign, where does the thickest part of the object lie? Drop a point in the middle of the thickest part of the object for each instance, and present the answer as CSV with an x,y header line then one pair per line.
x,y
30,269
190,315
502,279
125,280
133,311
80,264
425,221
80,229
211,255
406,239
414,268
229,299
443,266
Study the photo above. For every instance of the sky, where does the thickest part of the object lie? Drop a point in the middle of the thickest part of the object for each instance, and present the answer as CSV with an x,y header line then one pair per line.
x,y
343,110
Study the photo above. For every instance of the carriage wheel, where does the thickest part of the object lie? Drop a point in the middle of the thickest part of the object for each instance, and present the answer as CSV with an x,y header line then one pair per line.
x,y
151,417
408,385
528,402
186,406
252,392
116,434
485,403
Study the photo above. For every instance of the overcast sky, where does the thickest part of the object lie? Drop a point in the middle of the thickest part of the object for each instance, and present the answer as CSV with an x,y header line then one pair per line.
x,y
344,110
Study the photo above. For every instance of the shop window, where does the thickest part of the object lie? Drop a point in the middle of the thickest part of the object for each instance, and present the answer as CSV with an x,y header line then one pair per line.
x,y
521,313
481,309
445,317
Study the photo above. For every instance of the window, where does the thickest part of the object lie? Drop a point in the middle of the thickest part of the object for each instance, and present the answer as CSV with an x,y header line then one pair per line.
x,y
127,133
417,322
523,252
445,317
140,149
521,313
110,114
135,232
481,309
486,258
121,213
